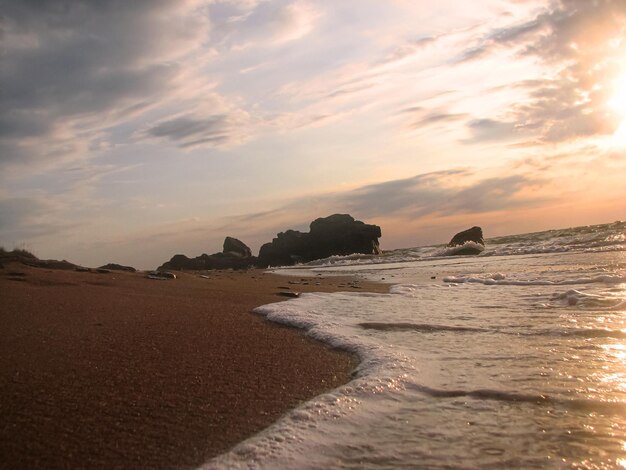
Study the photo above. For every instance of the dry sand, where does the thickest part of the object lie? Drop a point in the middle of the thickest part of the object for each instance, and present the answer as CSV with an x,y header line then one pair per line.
x,y
118,371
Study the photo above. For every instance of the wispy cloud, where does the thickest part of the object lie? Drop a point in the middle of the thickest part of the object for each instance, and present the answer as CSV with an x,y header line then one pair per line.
x,y
448,192
580,44
249,24
188,131
71,70
445,193
437,117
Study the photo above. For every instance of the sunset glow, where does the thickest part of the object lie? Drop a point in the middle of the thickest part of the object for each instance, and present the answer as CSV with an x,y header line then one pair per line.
x,y
618,100
246,118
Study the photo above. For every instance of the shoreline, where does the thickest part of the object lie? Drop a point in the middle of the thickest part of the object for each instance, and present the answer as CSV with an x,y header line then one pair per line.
x,y
115,370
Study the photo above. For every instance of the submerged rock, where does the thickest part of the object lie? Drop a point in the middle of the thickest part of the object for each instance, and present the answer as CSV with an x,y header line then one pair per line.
x,y
467,242
338,234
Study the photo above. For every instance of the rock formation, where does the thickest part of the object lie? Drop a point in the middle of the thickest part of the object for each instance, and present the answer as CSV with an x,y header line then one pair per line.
x,y
470,242
236,255
118,267
338,234
236,247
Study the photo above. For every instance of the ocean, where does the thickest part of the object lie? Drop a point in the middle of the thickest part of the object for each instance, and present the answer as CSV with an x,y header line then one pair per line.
x,y
515,358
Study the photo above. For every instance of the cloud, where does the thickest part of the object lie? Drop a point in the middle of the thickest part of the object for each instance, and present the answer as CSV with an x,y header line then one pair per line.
x,y
444,193
439,196
239,25
72,69
490,130
190,131
580,46
409,49
437,117
447,192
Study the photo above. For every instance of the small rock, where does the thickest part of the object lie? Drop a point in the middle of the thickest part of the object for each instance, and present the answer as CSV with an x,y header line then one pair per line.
x,y
288,294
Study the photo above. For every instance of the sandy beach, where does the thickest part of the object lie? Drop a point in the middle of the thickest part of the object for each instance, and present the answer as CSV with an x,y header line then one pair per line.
x,y
118,371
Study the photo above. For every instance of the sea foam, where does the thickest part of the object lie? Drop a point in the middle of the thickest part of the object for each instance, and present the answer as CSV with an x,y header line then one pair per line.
x,y
491,361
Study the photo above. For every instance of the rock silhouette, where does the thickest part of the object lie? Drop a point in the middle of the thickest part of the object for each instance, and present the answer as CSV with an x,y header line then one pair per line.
x,y
236,247
473,237
236,255
338,234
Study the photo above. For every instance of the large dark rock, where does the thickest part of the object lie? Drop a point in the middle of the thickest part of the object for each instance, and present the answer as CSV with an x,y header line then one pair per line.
x,y
236,255
338,234
236,247
473,235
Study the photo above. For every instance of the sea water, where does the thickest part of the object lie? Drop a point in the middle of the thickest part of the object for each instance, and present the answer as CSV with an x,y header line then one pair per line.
x,y
515,358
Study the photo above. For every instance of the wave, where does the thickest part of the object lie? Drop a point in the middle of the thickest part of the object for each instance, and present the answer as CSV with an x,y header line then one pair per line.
x,y
387,257
421,327
588,333
583,404
588,239
501,280
594,333
459,249
595,301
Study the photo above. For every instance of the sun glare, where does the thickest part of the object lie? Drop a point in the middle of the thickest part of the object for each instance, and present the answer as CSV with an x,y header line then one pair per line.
x,y
619,136
618,104
618,100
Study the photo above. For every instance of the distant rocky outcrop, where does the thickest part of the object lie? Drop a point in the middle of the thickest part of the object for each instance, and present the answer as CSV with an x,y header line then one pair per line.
x,y
50,264
29,259
469,242
338,234
117,267
236,255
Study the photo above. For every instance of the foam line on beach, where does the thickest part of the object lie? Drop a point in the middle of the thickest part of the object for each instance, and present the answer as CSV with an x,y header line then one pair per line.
x,y
501,280
591,405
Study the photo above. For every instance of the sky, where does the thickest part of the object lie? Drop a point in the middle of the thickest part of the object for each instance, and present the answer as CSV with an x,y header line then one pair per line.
x,y
134,130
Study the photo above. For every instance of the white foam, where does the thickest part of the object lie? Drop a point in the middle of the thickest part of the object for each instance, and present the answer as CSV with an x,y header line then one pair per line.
x,y
597,301
292,441
500,280
455,250
473,342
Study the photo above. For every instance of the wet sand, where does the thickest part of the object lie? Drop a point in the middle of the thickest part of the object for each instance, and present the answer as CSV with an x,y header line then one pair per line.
x,y
118,371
